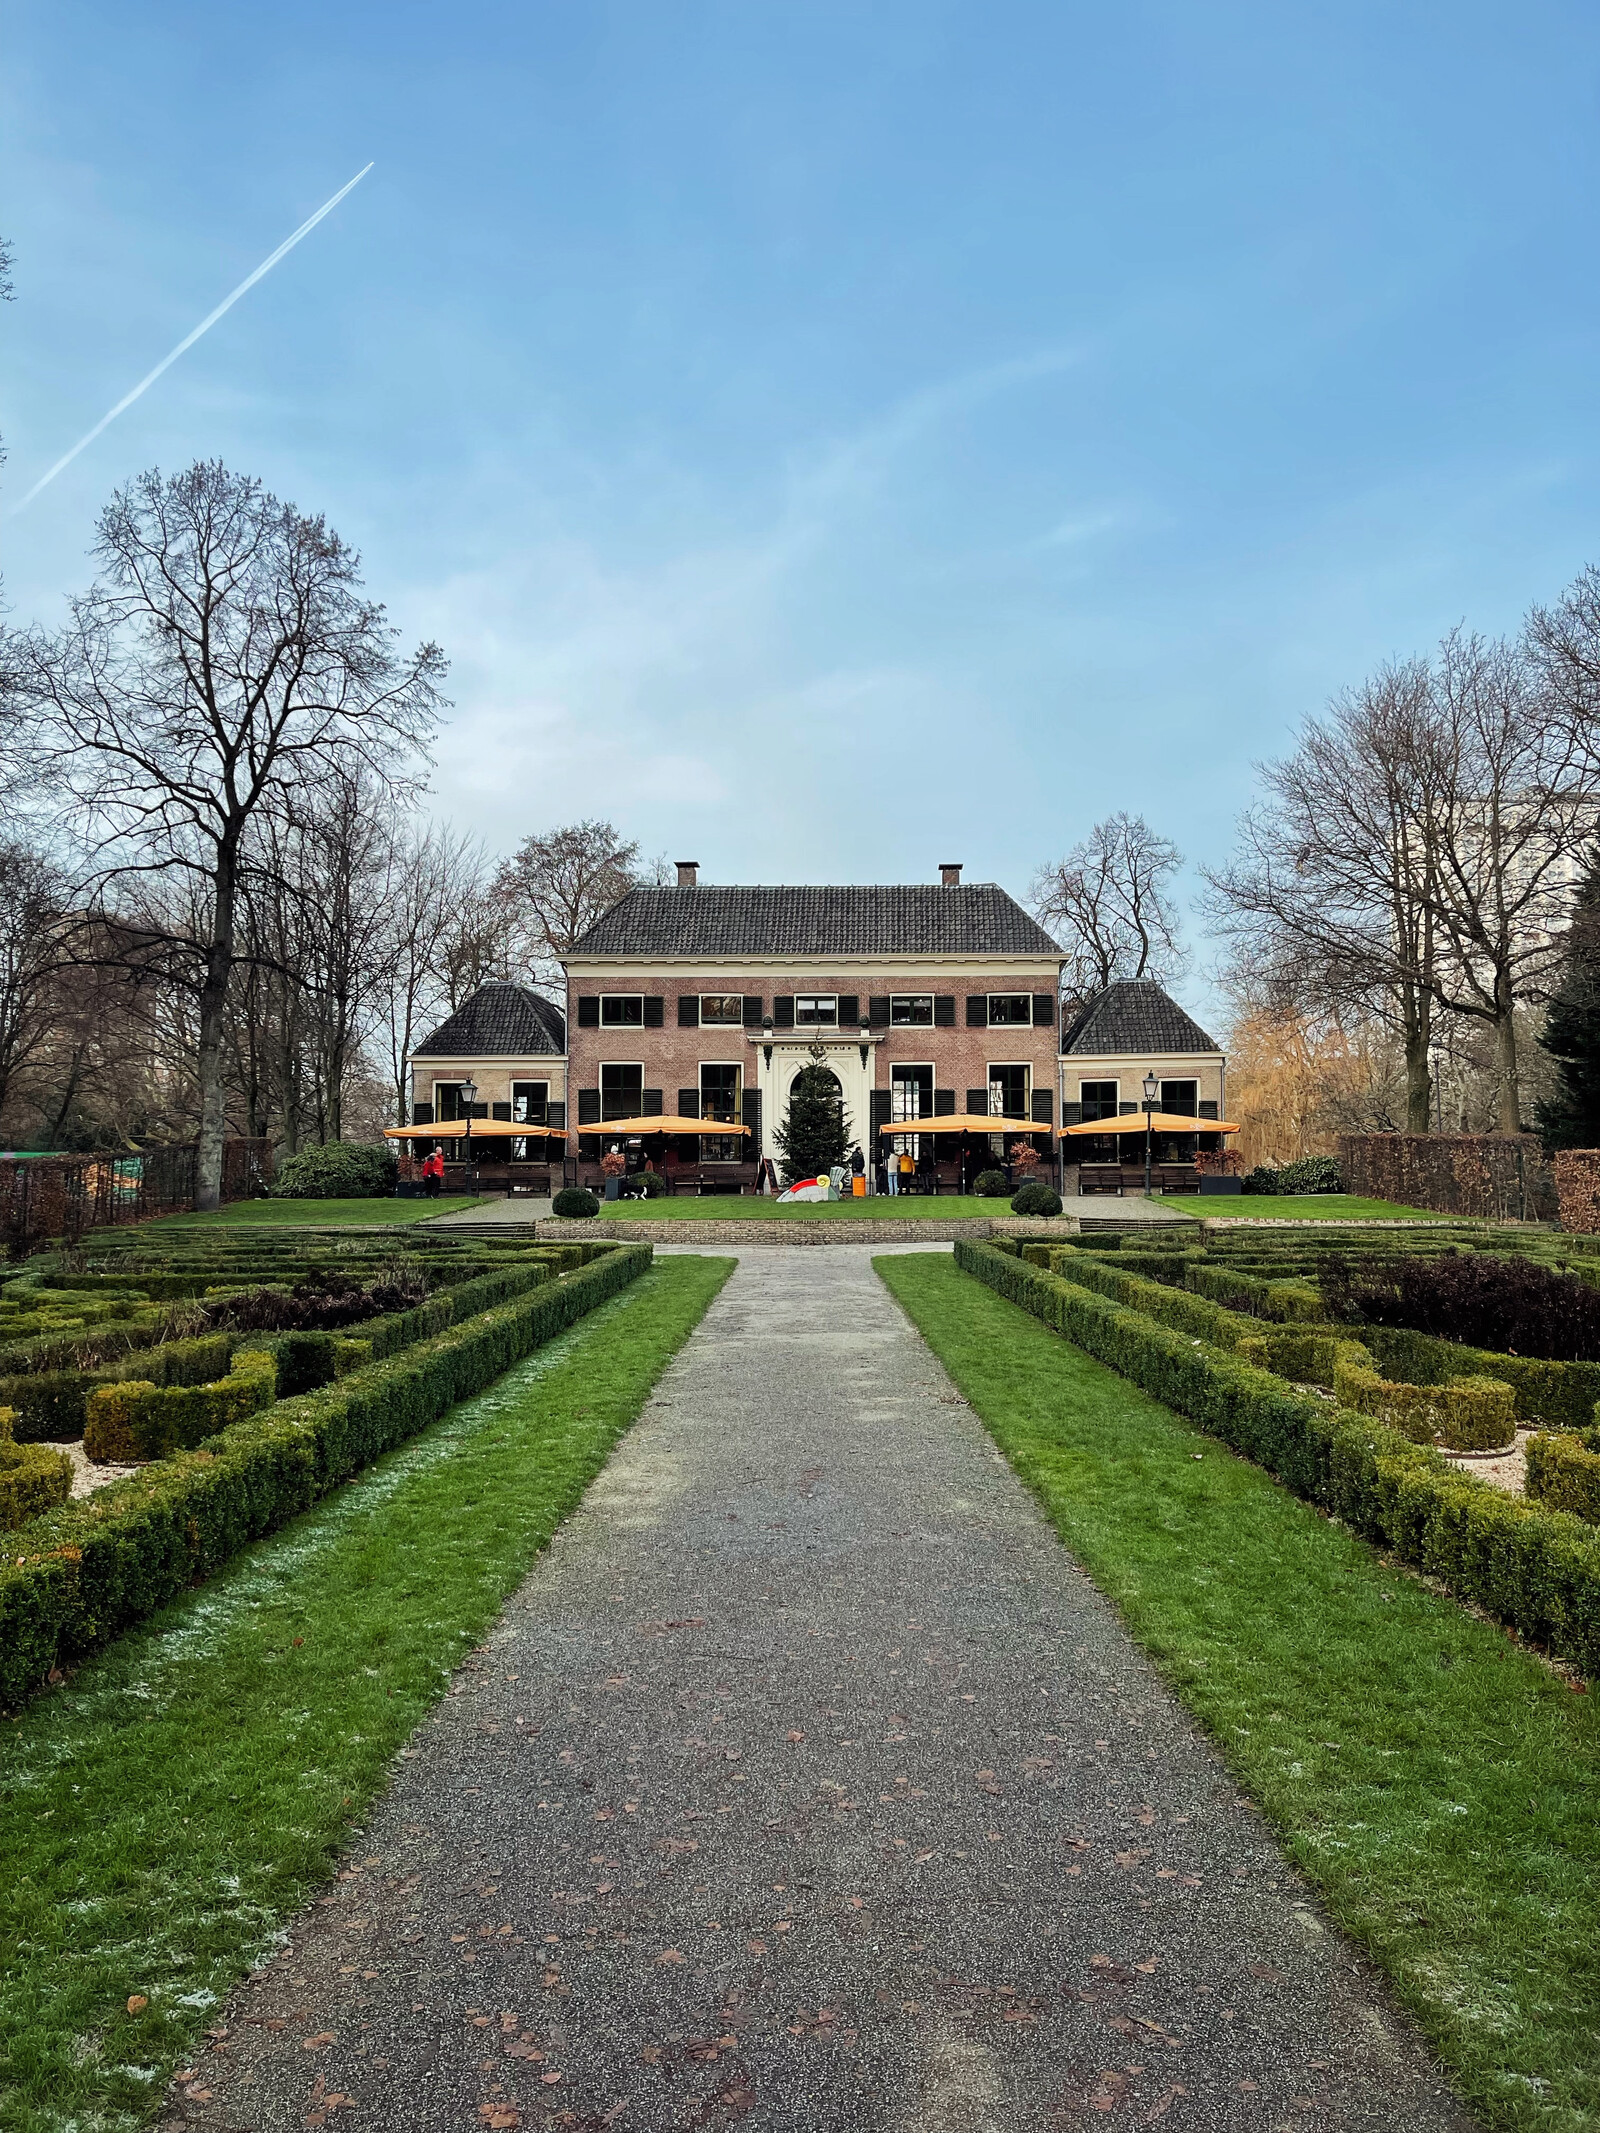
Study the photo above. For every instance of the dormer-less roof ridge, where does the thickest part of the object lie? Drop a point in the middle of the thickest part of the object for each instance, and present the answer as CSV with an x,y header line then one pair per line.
x,y
1134,1015
500,1020
899,919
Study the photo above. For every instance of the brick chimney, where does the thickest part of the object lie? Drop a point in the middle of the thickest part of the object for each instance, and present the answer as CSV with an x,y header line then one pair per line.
x,y
688,873
950,873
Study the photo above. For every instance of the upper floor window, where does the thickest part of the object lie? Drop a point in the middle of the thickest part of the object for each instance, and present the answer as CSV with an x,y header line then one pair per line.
x,y
1099,1098
816,1010
911,1010
1010,1007
530,1102
1182,1098
721,1010
621,1090
622,1010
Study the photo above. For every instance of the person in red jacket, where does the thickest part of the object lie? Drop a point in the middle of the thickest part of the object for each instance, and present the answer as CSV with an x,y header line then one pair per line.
x,y
433,1174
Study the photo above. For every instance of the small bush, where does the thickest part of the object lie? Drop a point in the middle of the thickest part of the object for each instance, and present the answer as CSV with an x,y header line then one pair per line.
x,y
1564,1475
1313,1173
322,1303
1510,1304
575,1203
990,1185
1262,1179
33,1478
1036,1199
341,1170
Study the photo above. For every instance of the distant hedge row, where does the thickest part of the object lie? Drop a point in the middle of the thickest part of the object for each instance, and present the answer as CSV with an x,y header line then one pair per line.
x,y
93,1569
1534,1568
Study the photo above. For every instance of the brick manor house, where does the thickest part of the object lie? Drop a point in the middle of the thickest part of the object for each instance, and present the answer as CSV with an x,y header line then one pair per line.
x,y
927,1001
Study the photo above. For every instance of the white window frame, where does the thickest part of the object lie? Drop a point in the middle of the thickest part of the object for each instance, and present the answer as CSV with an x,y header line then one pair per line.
x,y
603,1064
733,1139
1024,1124
895,998
738,1020
606,999
1025,1023
817,999
910,1143
1099,1081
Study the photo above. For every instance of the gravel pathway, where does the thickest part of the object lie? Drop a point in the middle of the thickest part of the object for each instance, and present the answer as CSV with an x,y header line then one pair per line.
x,y
807,1784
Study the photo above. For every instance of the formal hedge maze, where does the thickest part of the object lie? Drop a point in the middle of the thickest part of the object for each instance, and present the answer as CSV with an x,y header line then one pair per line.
x,y
241,1378
1359,1416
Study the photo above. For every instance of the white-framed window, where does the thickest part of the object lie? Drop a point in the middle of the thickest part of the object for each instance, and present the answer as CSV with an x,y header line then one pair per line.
x,y
722,1010
816,1010
447,1102
530,1102
911,1010
1009,1089
1010,1010
1182,1098
721,1093
910,1096
622,1010
621,1089
1099,1099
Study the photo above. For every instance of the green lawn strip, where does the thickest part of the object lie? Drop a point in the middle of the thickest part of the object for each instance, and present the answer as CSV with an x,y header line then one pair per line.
x,y
305,1214
756,1207
1436,1783
163,1815
1299,1207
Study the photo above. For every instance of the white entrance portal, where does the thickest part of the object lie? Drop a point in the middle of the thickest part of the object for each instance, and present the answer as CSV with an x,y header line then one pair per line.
x,y
779,1058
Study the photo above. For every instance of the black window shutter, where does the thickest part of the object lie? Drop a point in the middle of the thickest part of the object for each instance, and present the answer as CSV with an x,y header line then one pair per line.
x,y
688,1010
588,1107
752,1010
556,1115
1126,1110
849,1010
1072,1114
654,1010
878,1010
588,1010
653,1105
1044,1106
1044,1009
944,1103
977,1010
944,1010
977,1102
752,1119
783,1010
688,1103
880,1116
422,1114
1209,1110
500,1111
479,1110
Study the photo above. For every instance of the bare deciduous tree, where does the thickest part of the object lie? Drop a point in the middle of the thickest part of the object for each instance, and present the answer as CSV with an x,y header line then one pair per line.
x,y
225,659
557,884
1329,900
1109,904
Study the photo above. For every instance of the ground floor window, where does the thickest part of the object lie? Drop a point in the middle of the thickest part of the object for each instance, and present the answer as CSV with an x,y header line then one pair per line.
x,y
910,1096
621,1091
719,1099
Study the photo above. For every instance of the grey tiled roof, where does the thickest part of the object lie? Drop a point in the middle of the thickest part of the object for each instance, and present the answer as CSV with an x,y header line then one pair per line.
x,y
1135,1015
910,919
498,1020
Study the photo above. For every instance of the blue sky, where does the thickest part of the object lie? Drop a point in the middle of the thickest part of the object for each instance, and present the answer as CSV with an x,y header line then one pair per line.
x,y
834,440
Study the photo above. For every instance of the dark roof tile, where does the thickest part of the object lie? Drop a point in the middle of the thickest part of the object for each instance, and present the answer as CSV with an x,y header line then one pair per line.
x,y
910,919
1135,1015
500,1020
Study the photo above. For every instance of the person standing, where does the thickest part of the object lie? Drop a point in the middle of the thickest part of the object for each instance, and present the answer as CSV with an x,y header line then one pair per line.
x,y
432,1174
893,1167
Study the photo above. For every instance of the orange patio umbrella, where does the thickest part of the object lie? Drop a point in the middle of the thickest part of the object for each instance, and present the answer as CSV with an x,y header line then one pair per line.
x,y
1160,1122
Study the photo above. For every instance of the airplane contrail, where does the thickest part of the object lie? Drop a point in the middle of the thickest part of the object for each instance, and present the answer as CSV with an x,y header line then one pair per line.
x,y
189,339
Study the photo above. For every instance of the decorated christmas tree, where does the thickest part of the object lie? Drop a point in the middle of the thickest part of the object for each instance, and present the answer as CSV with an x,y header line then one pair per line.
x,y
816,1133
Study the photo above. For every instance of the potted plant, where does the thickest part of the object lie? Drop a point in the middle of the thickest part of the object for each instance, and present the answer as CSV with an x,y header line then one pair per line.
x,y
613,1166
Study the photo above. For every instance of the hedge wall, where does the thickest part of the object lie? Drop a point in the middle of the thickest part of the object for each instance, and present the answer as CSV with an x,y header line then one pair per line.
x,y
1536,1569
94,1569
1565,1475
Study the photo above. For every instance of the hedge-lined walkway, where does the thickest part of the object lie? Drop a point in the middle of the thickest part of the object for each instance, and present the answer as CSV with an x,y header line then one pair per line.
x,y
807,1784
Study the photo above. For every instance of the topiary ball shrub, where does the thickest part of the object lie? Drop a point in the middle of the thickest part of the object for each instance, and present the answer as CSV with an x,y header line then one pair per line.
x,y
990,1184
1313,1173
1036,1199
340,1170
575,1202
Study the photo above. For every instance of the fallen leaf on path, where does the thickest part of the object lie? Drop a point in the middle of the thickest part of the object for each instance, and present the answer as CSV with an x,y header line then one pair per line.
x,y
670,1955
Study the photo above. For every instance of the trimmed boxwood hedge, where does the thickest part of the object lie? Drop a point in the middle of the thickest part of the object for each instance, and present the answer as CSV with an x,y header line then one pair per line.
x,y
1465,1414
134,1420
1534,1568
1565,1475
33,1479
91,1570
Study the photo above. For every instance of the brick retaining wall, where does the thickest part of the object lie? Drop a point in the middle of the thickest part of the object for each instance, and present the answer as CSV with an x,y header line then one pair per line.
x,y
810,1230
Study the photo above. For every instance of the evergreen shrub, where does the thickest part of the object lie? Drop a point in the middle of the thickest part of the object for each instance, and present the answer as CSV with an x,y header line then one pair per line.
x,y
33,1478
1510,1304
1564,1475
575,1203
339,1170
990,1185
1036,1198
